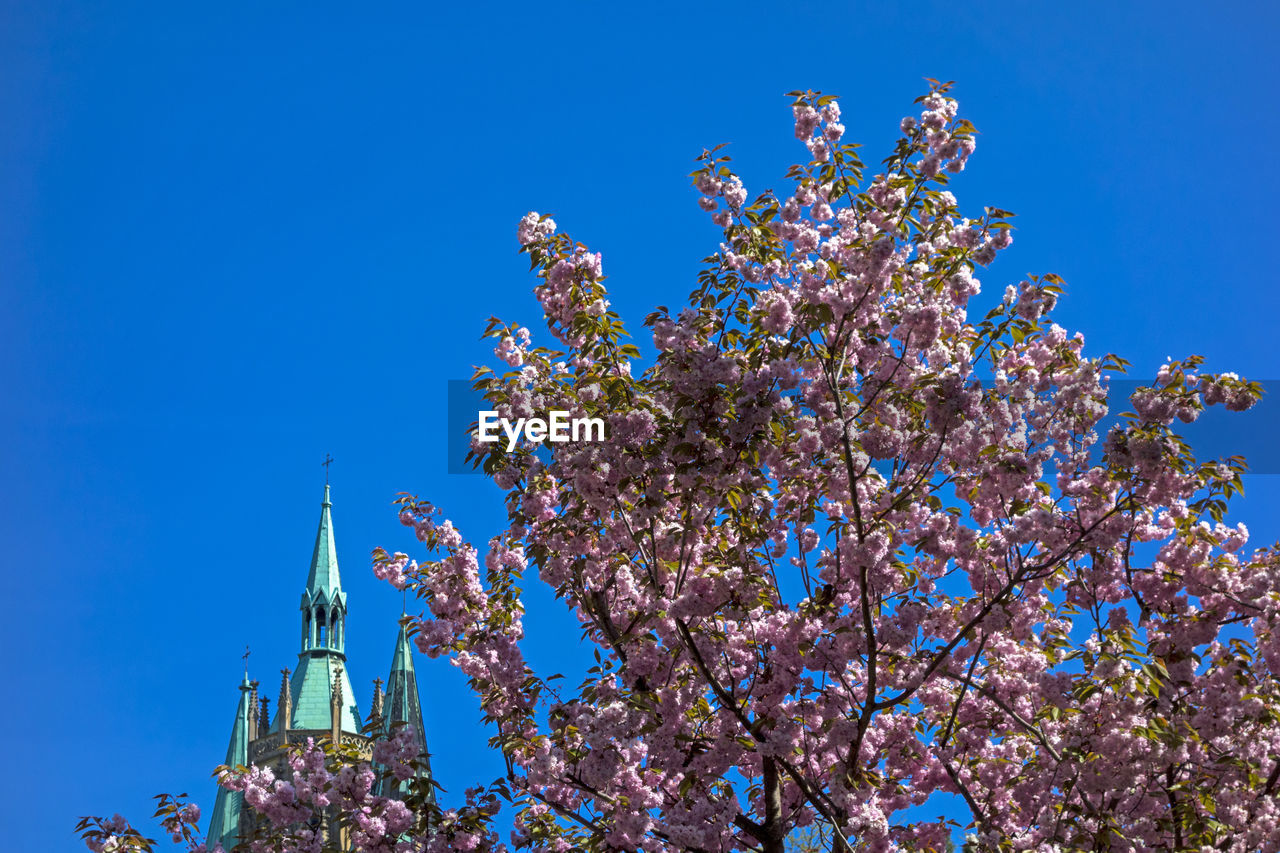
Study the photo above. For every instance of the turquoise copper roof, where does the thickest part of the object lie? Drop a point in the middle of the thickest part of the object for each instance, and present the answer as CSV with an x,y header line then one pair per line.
x,y
311,685
402,705
324,578
312,688
224,823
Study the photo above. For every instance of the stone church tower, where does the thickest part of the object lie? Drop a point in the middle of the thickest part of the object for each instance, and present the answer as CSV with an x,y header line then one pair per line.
x,y
317,701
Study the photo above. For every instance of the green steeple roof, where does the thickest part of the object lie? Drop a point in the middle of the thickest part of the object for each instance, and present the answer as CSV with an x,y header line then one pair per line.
x,y
312,687
324,577
402,705
324,608
224,823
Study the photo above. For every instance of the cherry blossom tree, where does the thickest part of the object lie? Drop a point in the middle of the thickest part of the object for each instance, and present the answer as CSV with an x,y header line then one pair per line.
x,y
851,557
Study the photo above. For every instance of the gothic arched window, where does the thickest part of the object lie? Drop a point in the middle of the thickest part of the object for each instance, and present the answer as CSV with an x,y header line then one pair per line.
x,y
320,627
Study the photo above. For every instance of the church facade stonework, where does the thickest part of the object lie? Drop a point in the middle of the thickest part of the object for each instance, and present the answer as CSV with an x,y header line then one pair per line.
x,y
316,700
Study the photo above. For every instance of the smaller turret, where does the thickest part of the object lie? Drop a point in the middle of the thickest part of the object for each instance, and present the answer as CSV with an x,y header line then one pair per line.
x,y
401,707
375,713
224,821
335,707
284,705
253,708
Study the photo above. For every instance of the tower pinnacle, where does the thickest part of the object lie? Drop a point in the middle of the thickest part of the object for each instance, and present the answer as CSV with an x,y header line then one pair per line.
x,y
401,706
227,805
324,577
324,630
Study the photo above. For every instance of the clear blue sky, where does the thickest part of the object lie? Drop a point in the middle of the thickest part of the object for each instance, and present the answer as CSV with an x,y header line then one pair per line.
x,y
236,237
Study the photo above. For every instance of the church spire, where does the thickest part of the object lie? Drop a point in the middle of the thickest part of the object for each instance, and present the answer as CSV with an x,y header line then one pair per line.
x,y
324,629
316,700
324,604
324,575
224,823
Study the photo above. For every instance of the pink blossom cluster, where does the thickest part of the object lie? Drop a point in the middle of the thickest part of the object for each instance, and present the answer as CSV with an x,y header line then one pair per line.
x,y
731,190
818,126
534,228
300,804
946,145
181,823
110,835
115,835
511,349
393,569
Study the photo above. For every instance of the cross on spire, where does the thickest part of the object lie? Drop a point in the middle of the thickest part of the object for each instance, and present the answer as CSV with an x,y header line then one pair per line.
x,y
245,658
328,460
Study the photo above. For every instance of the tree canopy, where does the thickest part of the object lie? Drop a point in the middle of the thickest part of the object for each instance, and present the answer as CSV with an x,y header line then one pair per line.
x,y
848,553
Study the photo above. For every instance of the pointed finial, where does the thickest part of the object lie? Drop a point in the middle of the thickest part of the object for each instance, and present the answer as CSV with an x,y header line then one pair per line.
x,y
324,578
375,713
335,695
264,717
284,704
253,711
335,706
